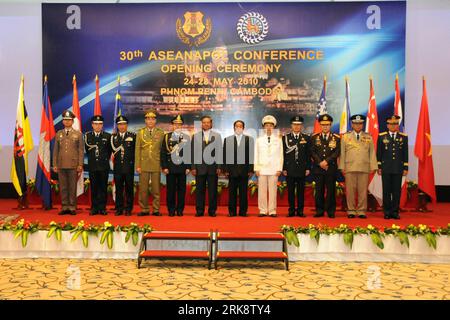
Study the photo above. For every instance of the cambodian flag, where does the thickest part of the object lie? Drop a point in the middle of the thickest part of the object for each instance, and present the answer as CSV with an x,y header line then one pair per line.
x,y
46,141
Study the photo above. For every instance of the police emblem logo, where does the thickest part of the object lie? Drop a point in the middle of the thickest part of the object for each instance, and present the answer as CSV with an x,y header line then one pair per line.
x,y
193,31
252,27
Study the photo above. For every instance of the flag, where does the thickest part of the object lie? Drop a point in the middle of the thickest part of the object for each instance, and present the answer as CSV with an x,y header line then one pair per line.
x,y
375,185
345,124
398,111
46,141
117,112
23,144
118,105
97,107
423,149
321,107
77,126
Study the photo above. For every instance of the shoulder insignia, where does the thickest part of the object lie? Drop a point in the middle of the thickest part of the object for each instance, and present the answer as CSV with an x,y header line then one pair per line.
x,y
383,133
403,134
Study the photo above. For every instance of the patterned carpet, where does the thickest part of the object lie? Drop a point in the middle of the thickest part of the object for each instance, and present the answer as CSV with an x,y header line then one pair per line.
x,y
120,279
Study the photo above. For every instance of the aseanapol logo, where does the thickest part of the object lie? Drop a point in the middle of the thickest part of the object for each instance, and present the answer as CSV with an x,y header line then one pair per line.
x,y
193,31
252,27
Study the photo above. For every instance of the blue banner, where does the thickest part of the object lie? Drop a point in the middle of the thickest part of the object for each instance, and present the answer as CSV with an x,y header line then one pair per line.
x,y
229,60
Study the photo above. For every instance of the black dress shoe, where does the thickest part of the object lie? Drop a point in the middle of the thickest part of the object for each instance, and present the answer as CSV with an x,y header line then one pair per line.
x,y
72,212
156,213
243,215
232,214
290,215
351,215
180,213
273,215
62,212
262,215
141,214
331,216
171,214
127,212
318,215
199,214
212,214
92,212
119,212
301,214
103,212
396,217
387,217
362,216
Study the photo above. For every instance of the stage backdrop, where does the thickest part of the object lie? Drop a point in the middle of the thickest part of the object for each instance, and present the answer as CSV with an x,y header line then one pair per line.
x,y
228,60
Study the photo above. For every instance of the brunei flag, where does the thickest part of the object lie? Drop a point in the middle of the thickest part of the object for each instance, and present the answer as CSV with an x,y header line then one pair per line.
x,y
46,141
23,144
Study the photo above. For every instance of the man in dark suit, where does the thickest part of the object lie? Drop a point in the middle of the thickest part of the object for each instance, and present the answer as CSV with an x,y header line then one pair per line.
x,y
206,165
98,150
123,144
325,150
238,166
296,165
392,157
175,164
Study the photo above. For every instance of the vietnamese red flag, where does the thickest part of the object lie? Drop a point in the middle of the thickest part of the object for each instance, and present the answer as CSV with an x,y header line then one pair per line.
x,y
372,127
97,107
423,149
77,126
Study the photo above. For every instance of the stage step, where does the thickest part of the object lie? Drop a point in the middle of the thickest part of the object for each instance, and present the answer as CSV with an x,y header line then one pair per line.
x,y
175,254
177,236
250,255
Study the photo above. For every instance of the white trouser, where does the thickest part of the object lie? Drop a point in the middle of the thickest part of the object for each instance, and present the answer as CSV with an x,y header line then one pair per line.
x,y
267,184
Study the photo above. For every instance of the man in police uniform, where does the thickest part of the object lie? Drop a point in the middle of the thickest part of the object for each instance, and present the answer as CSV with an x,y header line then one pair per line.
x,y
296,165
392,156
325,149
148,163
98,151
68,162
175,164
356,161
123,145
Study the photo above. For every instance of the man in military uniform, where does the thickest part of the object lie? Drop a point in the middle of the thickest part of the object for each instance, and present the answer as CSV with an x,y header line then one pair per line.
x,y
206,165
296,165
68,162
123,145
98,151
356,161
238,152
392,156
175,164
148,163
325,149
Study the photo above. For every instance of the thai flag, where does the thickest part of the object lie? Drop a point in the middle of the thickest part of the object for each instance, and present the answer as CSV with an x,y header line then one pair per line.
x,y
46,141
345,124
321,107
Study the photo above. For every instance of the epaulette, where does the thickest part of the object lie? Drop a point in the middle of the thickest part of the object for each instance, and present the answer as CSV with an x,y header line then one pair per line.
x,y
403,134
383,133
315,134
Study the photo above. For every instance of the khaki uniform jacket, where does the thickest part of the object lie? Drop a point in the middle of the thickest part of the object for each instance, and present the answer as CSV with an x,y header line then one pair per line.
x,y
68,151
357,156
148,149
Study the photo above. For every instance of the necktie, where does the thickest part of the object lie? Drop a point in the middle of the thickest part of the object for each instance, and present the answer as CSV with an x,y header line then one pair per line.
x,y
268,139
393,136
121,135
296,137
357,136
67,132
